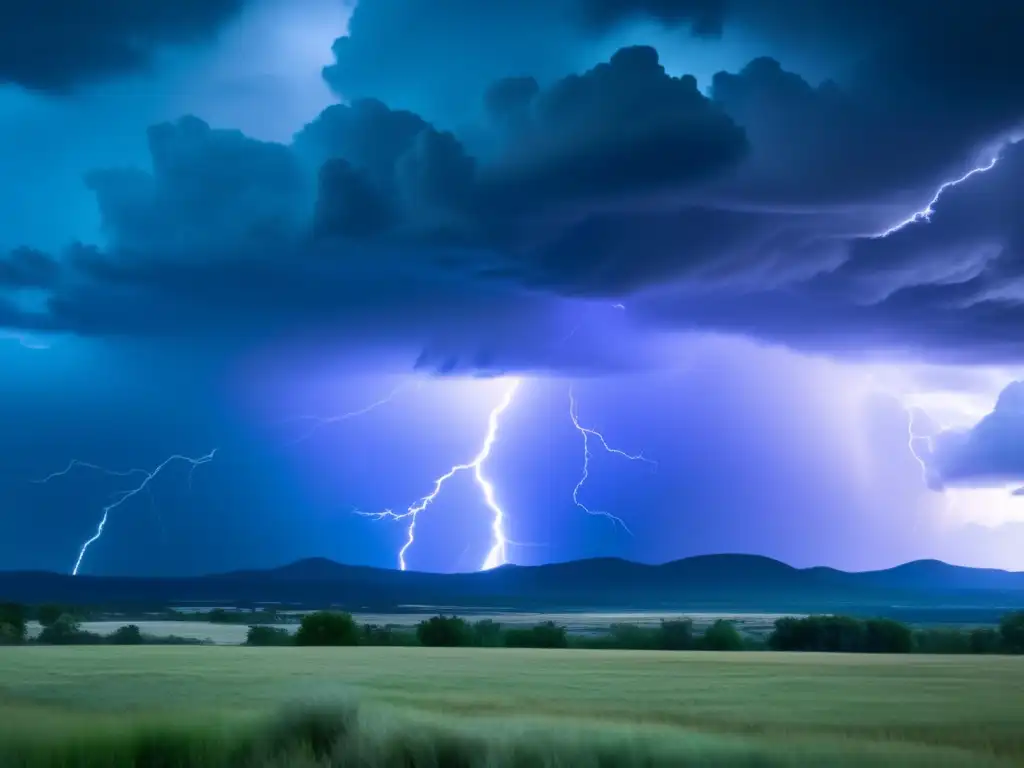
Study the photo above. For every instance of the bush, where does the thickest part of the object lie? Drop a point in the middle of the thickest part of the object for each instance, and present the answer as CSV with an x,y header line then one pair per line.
x,y
675,635
1011,631
444,632
487,634
387,634
327,628
66,631
129,634
887,636
258,635
544,635
632,637
13,623
942,640
985,640
722,636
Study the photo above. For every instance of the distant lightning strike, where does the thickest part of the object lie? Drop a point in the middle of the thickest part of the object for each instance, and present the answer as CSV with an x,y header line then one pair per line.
x,y
498,553
587,434
322,421
123,496
926,213
912,438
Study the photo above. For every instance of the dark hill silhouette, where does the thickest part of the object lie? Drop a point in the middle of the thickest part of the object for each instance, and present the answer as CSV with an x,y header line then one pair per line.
x,y
708,582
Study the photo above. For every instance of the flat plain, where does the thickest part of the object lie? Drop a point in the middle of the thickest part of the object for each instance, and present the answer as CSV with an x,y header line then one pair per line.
x,y
891,710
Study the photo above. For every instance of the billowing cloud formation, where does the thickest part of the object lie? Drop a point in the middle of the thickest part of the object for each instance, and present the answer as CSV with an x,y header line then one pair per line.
x,y
756,208
991,453
55,45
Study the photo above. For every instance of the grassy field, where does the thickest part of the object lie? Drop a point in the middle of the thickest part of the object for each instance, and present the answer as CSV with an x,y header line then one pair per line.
x,y
505,707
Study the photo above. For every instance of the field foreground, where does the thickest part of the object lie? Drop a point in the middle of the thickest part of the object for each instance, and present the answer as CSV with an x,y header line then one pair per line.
x,y
207,706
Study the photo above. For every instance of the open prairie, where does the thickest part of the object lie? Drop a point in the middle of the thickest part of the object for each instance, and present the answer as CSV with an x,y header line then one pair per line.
x,y
779,709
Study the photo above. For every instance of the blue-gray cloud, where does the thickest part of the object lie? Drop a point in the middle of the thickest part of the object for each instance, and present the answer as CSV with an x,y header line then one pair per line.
x,y
57,45
750,209
991,452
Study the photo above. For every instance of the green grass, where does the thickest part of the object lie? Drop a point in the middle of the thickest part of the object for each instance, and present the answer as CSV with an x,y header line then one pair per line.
x,y
206,706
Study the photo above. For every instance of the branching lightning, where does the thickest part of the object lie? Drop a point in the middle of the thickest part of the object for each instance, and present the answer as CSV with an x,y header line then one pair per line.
x,y
912,438
588,433
926,213
322,421
498,553
122,496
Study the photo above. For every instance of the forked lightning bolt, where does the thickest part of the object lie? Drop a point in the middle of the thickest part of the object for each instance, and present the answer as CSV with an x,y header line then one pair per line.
x,y
593,433
498,554
926,213
123,496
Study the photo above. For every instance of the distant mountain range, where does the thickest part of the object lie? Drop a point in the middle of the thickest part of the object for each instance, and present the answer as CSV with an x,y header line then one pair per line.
x,y
710,582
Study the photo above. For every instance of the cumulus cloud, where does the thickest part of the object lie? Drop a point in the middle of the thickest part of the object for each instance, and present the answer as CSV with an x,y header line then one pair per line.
x,y
991,452
751,208
57,45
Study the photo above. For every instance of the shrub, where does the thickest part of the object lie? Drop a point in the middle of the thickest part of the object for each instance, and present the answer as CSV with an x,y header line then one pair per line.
x,y
632,637
129,634
1011,631
887,636
13,623
327,628
258,635
487,634
985,640
941,640
66,631
722,636
544,635
675,635
444,632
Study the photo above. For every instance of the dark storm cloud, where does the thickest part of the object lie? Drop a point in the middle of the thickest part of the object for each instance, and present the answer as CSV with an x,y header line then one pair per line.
x,y
56,45
28,268
752,209
991,452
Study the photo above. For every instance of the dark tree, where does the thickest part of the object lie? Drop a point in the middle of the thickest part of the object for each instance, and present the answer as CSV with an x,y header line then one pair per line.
x,y
985,640
887,636
675,635
258,635
1011,629
327,628
13,623
487,634
722,636
47,615
67,631
129,634
444,632
544,635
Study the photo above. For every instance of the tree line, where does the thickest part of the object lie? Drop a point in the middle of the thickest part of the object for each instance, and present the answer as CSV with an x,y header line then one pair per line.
x,y
60,626
825,633
820,633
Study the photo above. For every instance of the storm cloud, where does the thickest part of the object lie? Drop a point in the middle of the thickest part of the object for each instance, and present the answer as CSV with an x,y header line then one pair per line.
x,y
756,207
55,46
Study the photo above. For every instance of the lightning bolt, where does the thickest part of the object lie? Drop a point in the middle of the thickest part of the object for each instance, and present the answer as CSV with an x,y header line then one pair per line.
x,y
912,438
926,213
588,433
123,496
498,554
318,422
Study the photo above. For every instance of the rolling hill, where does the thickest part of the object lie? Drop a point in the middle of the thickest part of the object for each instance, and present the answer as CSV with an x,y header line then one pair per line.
x,y
710,582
